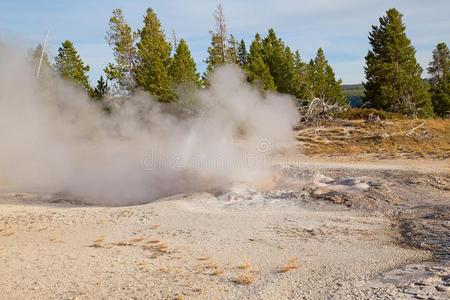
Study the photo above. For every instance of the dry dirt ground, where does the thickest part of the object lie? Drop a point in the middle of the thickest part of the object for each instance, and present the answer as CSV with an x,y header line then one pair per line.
x,y
389,139
365,214
370,230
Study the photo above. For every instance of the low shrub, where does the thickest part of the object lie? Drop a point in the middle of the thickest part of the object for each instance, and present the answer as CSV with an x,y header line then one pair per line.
x,y
364,113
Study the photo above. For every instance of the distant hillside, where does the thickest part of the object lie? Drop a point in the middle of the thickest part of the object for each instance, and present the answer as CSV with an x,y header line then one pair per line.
x,y
353,89
354,93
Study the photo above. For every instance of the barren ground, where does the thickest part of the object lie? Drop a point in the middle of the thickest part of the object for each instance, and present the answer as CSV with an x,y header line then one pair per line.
x,y
329,229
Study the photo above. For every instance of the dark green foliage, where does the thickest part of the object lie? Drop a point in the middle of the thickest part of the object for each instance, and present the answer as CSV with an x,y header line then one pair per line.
x,y
70,66
101,90
215,56
333,87
300,85
280,61
441,100
257,70
393,75
219,52
242,54
152,72
122,39
322,81
439,69
392,72
273,65
232,51
183,69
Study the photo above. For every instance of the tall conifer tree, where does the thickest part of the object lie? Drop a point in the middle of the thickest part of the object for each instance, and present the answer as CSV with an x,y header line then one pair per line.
x,y
183,69
439,69
393,79
34,57
101,90
323,80
218,53
257,70
232,51
154,59
70,66
280,61
242,54
299,81
122,40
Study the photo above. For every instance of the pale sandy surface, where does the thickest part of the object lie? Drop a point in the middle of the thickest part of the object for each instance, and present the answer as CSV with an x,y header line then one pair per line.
x,y
192,247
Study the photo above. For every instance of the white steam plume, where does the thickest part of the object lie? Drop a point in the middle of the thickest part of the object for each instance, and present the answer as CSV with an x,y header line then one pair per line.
x,y
53,138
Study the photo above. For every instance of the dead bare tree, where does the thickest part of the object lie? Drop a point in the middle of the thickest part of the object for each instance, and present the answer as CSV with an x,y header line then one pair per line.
x,y
221,30
319,109
42,55
174,40
411,132
373,118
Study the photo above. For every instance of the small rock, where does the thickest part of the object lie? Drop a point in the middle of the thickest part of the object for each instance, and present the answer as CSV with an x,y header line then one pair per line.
x,y
441,288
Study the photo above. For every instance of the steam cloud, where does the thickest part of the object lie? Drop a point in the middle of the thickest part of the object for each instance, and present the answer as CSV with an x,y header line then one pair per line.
x,y
54,139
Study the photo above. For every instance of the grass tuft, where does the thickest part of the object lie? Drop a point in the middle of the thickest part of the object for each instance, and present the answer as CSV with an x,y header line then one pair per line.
x,y
217,272
98,243
122,243
137,240
245,279
153,242
245,265
292,264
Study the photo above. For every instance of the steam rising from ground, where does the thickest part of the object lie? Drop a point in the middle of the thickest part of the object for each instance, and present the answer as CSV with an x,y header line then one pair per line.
x,y
54,139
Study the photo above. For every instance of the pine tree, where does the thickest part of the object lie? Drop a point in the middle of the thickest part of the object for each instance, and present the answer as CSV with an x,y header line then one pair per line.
x,y
323,80
183,69
309,80
242,54
221,32
70,66
152,72
318,76
214,56
439,69
257,70
34,57
232,51
174,40
280,61
392,72
122,40
217,52
101,90
289,68
334,89
299,80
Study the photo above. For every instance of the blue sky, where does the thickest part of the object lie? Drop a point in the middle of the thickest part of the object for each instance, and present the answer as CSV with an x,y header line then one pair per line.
x,y
340,27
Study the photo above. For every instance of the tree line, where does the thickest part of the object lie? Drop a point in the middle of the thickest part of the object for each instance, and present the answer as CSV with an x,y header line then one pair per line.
x,y
146,59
